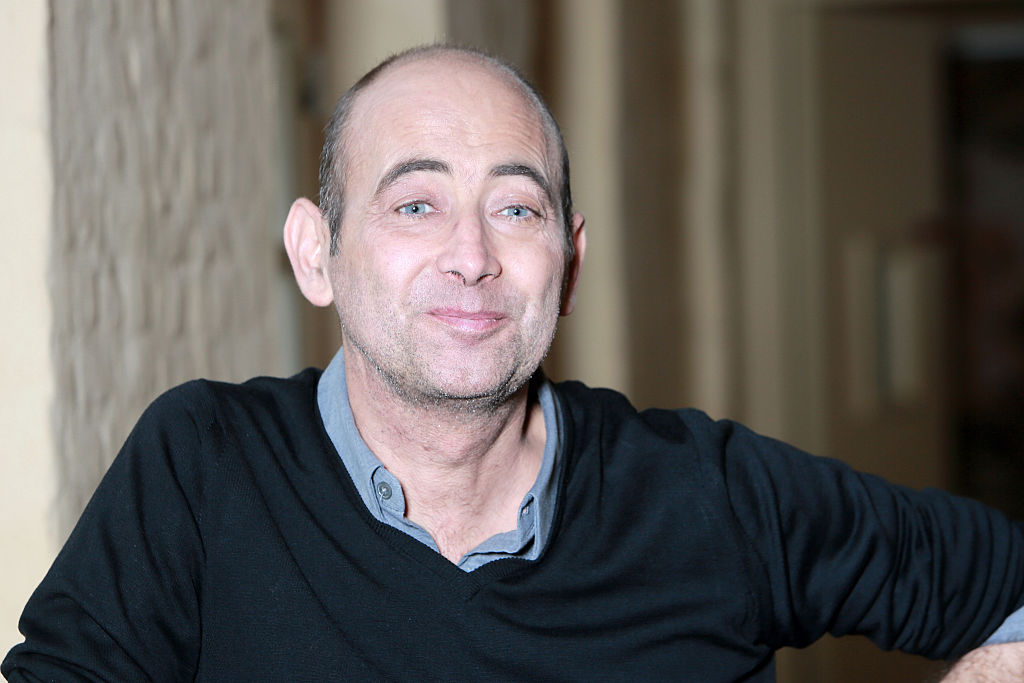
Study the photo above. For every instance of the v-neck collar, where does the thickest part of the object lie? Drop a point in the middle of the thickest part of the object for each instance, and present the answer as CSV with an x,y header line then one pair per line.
x,y
382,495
411,557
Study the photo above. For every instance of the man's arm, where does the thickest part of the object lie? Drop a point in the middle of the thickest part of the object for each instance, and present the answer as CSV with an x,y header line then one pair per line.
x,y
1000,659
121,601
990,664
847,553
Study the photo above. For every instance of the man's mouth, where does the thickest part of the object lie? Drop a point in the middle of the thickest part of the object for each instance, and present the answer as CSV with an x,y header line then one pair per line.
x,y
468,321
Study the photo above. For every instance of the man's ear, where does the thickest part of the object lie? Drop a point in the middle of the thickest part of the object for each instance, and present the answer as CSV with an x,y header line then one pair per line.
x,y
579,240
307,240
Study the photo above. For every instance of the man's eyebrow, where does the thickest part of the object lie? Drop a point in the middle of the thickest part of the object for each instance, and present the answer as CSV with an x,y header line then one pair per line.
x,y
524,170
410,166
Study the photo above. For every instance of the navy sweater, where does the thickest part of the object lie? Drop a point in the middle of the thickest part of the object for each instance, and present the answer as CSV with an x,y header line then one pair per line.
x,y
227,542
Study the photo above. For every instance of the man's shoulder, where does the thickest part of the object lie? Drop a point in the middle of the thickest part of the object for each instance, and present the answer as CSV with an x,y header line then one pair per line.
x,y
206,400
202,425
255,388
604,421
589,406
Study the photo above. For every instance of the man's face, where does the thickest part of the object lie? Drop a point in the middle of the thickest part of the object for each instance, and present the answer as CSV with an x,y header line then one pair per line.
x,y
451,255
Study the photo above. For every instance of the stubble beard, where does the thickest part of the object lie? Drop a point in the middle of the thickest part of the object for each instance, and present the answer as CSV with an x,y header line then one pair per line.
x,y
408,380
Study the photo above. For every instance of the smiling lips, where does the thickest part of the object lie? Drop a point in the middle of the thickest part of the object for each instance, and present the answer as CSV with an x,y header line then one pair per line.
x,y
468,321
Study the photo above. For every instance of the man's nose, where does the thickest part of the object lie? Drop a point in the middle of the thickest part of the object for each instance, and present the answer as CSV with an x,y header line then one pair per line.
x,y
469,253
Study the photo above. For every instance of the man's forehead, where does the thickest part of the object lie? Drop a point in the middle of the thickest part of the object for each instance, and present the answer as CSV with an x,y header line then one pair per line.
x,y
431,95
445,66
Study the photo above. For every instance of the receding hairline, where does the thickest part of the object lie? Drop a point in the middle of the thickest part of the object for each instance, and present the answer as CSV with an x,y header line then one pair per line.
x,y
506,73
453,56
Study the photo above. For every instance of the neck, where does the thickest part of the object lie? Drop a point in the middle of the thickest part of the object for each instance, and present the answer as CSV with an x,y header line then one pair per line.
x,y
464,467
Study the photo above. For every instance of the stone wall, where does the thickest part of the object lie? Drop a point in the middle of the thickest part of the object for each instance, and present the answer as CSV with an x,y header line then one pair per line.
x,y
162,256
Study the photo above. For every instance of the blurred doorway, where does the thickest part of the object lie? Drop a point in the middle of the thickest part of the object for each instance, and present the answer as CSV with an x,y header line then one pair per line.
x,y
912,129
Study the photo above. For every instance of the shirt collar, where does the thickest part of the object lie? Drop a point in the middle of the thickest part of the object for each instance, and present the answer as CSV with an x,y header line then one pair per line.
x,y
382,494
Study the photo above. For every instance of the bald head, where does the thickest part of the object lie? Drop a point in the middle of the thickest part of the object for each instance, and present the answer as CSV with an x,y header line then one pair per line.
x,y
334,161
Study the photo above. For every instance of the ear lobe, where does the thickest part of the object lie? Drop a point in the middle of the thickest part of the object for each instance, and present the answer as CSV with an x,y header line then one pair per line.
x,y
579,239
306,240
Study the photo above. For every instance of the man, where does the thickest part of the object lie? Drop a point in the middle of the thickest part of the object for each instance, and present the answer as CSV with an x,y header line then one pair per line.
x,y
431,507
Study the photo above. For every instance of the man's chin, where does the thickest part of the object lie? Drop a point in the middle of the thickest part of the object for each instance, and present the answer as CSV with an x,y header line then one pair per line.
x,y
454,382
472,397
466,395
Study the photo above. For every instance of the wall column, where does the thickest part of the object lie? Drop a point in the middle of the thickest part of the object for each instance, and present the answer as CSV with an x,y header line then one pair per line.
x,y
593,341
27,532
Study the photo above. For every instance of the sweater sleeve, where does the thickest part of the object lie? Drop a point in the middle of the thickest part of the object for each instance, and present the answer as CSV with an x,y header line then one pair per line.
x,y
844,552
121,601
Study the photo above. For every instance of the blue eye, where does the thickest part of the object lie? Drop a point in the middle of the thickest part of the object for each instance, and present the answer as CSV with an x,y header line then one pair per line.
x,y
517,212
416,209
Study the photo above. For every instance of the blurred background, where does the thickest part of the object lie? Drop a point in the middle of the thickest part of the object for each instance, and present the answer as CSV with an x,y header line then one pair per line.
x,y
805,215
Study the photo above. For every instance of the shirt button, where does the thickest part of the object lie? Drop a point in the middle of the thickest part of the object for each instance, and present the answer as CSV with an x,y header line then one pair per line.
x,y
384,490
525,512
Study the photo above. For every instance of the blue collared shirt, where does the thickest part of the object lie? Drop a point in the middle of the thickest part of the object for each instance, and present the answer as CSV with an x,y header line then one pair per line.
x,y
382,494
1012,630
